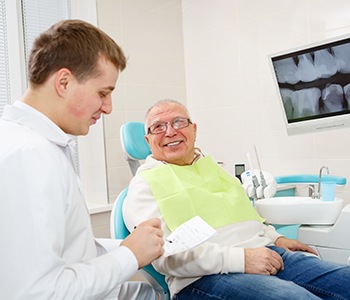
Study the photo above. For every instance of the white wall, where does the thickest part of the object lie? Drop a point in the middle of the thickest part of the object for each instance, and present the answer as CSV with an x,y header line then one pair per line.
x,y
221,48
150,33
230,89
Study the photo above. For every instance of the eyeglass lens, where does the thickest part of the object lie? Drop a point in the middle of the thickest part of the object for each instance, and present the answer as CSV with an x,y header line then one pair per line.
x,y
177,123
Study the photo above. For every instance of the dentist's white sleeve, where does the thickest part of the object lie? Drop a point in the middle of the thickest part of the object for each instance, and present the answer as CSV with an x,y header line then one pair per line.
x,y
48,250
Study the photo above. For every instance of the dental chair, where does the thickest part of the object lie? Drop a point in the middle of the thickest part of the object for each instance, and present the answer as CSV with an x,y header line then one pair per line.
x,y
136,149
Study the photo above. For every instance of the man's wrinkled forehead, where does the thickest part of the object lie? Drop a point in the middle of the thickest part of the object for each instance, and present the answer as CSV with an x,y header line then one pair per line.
x,y
161,113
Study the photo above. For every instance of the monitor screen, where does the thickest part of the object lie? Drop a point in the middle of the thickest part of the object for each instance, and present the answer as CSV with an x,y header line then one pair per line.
x,y
313,84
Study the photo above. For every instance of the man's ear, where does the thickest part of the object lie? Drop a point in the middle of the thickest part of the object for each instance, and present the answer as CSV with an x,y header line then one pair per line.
x,y
62,78
195,128
146,138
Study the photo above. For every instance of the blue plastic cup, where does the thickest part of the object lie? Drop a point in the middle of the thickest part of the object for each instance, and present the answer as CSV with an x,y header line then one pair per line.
x,y
328,189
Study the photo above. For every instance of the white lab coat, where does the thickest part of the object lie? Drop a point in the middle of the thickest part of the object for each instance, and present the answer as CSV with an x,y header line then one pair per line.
x,y
48,250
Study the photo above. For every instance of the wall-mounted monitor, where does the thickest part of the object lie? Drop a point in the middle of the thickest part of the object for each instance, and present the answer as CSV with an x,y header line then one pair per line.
x,y
313,84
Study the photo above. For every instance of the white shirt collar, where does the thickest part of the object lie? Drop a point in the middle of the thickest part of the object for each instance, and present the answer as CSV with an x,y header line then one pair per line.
x,y
28,116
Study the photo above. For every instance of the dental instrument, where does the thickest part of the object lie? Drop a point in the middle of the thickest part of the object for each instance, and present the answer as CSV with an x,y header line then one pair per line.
x,y
254,179
262,178
247,183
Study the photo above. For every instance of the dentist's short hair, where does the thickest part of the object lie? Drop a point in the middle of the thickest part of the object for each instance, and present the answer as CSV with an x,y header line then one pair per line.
x,y
75,45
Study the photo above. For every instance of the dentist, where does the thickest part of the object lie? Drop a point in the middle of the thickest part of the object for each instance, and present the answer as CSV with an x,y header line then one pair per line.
x,y
48,250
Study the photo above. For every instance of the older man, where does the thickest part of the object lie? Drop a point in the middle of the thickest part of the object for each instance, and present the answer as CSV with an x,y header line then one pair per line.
x,y
246,259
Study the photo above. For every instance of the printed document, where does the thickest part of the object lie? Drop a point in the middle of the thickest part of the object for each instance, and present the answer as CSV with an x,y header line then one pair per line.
x,y
188,235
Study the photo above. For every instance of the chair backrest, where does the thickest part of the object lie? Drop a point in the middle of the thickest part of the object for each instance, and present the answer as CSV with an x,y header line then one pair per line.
x,y
136,148
119,231
117,226
134,144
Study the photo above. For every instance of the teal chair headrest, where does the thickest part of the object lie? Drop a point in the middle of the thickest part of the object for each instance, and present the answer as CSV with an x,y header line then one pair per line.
x,y
133,140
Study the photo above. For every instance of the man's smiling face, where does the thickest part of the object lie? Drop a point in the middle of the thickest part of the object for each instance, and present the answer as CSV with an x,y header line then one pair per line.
x,y
172,146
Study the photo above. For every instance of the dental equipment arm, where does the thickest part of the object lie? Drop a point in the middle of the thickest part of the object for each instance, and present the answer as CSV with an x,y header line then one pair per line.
x,y
247,182
262,178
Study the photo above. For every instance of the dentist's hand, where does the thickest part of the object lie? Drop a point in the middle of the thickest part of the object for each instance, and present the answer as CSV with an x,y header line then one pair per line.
x,y
262,261
146,242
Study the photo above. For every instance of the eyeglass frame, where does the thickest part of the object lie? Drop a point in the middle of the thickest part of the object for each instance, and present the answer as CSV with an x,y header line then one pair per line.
x,y
165,124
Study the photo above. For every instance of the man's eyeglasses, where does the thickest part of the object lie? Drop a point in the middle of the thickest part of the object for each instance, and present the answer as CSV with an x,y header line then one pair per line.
x,y
161,127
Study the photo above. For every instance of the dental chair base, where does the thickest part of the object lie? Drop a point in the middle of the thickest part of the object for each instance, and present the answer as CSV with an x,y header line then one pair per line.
x,y
332,243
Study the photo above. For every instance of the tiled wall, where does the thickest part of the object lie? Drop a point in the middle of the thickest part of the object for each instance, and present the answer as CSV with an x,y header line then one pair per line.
x,y
212,55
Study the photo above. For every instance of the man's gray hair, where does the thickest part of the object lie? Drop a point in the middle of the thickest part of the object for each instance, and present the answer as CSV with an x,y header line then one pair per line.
x,y
166,101
161,102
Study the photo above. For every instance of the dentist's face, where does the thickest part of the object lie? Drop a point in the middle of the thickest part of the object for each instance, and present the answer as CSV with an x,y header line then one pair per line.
x,y
172,146
87,101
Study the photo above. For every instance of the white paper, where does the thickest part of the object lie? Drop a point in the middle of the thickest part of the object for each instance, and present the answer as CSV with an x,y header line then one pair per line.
x,y
188,235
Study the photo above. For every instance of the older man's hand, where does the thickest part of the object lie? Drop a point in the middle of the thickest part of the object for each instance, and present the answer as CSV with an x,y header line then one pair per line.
x,y
262,261
293,245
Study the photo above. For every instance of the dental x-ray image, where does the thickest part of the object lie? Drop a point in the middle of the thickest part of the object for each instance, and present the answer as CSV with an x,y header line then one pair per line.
x,y
315,83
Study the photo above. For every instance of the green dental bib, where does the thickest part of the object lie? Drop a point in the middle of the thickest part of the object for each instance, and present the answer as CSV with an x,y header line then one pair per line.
x,y
204,189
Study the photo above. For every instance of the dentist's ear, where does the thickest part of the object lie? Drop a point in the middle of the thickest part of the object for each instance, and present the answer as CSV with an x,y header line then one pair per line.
x,y
62,79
